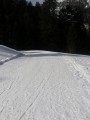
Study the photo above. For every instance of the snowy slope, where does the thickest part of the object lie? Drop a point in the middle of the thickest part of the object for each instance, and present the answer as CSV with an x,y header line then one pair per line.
x,y
6,54
43,85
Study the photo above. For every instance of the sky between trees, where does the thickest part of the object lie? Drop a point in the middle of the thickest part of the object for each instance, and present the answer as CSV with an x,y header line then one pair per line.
x,y
40,1
34,1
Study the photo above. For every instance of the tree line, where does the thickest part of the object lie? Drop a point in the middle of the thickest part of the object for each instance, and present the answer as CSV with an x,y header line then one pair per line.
x,y
63,26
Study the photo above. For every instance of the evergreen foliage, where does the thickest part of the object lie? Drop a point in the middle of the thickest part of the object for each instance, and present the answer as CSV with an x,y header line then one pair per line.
x,y
49,26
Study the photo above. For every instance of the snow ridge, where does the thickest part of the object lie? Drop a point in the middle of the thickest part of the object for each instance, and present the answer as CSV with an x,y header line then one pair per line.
x,y
7,54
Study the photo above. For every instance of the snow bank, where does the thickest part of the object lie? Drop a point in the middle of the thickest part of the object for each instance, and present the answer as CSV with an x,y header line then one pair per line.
x,y
7,54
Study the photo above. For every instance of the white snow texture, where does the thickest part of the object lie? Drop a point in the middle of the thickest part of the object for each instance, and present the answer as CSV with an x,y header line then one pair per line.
x,y
43,85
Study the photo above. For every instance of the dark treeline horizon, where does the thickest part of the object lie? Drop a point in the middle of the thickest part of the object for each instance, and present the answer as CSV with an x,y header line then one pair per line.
x,y
50,26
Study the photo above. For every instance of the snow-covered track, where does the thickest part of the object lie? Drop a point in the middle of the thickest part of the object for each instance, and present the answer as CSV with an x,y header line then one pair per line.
x,y
43,85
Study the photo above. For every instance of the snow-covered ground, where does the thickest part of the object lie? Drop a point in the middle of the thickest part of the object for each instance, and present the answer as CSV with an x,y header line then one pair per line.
x,y
7,54
43,85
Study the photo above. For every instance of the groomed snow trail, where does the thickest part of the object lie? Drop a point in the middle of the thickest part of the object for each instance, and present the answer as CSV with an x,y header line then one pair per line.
x,y
45,86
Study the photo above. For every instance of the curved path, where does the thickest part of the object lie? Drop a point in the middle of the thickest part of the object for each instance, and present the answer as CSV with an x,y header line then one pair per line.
x,y
45,86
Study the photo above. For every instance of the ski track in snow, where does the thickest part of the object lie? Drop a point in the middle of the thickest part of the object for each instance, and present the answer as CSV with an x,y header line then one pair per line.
x,y
43,86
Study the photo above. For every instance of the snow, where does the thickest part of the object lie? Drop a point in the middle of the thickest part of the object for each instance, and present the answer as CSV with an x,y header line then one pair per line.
x,y
7,54
44,85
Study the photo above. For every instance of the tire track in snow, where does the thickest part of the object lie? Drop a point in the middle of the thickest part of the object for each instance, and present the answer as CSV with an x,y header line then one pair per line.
x,y
50,79
8,88
12,92
69,107
39,89
37,93
41,85
55,76
16,83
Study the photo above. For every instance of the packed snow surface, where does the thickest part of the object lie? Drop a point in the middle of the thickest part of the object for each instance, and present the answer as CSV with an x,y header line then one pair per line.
x,y
43,85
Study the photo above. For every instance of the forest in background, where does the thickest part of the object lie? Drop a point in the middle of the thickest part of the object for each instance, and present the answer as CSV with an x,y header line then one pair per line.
x,y
53,26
